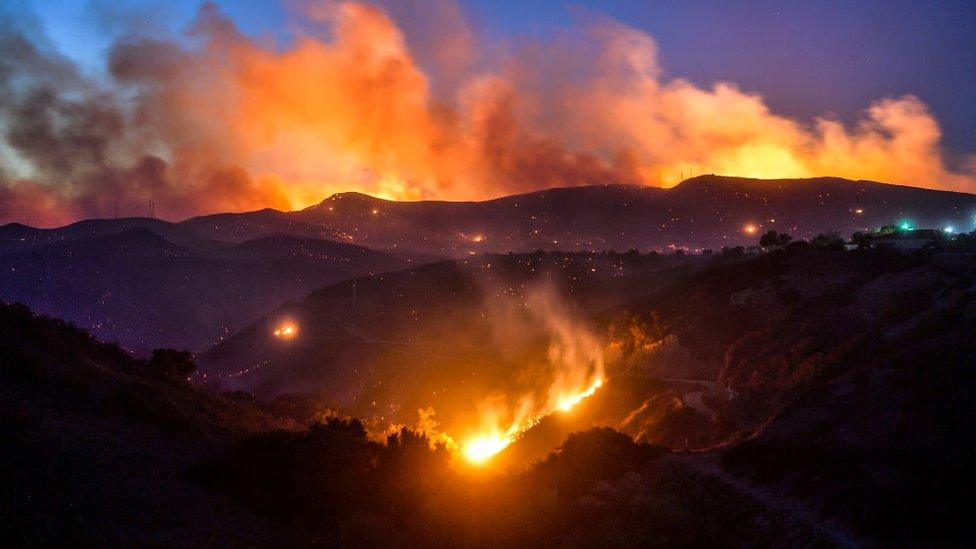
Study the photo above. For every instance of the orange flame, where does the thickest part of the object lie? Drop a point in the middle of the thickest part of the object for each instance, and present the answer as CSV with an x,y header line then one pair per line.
x,y
480,448
576,366
286,330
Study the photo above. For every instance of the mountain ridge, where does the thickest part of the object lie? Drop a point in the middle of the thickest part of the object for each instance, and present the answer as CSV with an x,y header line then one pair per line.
x,y
702,212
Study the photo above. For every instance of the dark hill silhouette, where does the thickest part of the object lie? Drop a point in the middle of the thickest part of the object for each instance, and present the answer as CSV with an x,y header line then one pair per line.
x,y
703,212
96,443
142,290
15,237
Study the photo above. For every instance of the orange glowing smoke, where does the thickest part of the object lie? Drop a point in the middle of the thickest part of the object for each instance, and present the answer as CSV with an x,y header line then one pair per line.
x,y
386,108
574,370
359,113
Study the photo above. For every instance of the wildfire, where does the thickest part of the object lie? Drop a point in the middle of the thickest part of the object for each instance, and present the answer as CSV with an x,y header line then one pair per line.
x,y
286,330
481,448
567,403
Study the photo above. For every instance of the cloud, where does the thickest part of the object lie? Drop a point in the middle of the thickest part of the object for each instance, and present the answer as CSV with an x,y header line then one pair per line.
x,y
403,100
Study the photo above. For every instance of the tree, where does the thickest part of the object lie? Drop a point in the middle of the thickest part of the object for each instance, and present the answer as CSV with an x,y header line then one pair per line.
x,y
171,363
798,246
827,242
864,241
774,240
769,239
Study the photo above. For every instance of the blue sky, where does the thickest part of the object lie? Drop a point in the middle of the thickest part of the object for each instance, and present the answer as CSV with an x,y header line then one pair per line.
x,y
806,57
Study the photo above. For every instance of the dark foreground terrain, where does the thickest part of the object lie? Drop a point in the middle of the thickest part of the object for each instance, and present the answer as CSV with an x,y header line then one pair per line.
x,y
799,397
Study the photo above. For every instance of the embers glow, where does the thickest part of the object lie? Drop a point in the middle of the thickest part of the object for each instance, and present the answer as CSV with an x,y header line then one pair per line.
x,y
567,403
481,448
286,330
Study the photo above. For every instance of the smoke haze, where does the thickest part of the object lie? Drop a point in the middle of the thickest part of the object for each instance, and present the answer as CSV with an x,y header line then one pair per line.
x,y
401,100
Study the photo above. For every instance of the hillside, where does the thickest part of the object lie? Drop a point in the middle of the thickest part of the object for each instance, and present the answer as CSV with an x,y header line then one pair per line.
x,y
796,396
96,444
101,449
788,373
702,212
144,291
437,324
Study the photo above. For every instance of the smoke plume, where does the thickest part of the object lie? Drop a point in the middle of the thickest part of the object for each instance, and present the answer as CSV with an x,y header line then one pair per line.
x,y
401,100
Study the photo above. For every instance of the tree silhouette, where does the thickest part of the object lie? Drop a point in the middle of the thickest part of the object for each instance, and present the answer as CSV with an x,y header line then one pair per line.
x,y
171,363
827,242
774,240
864,241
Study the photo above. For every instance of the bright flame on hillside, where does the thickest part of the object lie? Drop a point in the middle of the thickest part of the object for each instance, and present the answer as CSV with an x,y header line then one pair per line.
x,y
575,371
481,448
567,403
286,330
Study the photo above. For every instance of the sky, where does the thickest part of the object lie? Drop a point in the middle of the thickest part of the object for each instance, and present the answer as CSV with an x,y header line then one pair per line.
x,y
233,106
805,57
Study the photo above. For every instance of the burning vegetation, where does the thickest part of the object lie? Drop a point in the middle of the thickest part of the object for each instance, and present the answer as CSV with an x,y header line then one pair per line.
x,y
285,330
574,367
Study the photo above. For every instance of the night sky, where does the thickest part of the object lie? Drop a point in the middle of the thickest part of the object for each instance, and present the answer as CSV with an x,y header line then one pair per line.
x,y
806,58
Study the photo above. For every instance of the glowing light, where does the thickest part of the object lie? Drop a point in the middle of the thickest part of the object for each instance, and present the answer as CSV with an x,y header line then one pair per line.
x,y
285,331
482,448
750,229
375,212
858,211
906,226
567,403
949,229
